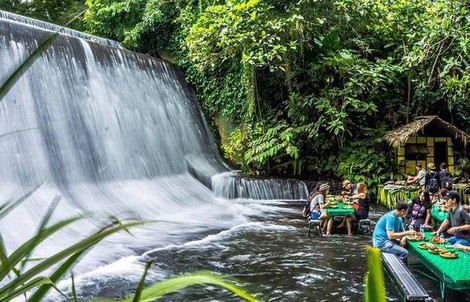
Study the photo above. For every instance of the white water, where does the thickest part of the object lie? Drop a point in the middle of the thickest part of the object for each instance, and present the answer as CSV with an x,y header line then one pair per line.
x,y
114,133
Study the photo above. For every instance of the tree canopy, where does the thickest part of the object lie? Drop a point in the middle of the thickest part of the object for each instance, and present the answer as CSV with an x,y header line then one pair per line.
x,y
306,87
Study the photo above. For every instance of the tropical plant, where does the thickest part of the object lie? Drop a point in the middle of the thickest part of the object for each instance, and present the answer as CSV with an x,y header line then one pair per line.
x,y
374,285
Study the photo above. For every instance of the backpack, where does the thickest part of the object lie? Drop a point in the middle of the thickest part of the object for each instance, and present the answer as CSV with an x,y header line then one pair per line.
x,y
446,181
306,209
433,186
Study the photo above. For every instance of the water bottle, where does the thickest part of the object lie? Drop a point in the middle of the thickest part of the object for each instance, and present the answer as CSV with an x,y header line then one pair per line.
x,y
421,229
441,238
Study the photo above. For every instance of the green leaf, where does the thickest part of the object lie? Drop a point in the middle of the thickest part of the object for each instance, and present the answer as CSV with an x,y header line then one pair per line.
x,y
33,283
25,248
76,248
8,206
201,277
375,286
28,62
140,287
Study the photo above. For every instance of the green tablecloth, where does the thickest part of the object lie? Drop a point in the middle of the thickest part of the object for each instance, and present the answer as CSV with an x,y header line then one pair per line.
x,y
437,215
460,188
340,211
455,273
390,197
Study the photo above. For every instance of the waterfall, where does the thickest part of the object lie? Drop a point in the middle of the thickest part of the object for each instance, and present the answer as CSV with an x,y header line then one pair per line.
x,y
112,132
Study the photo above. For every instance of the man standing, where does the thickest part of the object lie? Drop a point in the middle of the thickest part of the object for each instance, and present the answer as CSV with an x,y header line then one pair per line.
x,y
389,233
459,220
419,178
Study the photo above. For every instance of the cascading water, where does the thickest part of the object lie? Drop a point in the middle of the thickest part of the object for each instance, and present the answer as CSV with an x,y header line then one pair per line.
x,y
112,132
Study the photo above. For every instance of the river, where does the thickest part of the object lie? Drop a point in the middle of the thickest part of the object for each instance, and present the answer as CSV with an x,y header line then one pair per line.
x,y
270,256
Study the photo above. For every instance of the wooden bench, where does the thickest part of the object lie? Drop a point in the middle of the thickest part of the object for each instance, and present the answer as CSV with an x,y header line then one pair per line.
x,y
315,225
404,280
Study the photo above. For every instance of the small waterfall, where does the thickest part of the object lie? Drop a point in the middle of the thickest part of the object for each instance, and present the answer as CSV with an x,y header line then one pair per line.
x,y
233,185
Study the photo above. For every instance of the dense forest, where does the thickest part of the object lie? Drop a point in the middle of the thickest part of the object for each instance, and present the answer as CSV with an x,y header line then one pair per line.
x,y
303,88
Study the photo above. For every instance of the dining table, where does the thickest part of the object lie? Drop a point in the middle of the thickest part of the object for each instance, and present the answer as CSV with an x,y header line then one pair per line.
x,y
450,273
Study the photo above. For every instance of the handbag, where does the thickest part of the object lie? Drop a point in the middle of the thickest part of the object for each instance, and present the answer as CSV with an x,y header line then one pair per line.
x,y
355,206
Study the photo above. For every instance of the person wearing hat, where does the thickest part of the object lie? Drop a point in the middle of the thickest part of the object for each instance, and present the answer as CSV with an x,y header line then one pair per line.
x,y
348,188
419,178
389,234
318,206
459,221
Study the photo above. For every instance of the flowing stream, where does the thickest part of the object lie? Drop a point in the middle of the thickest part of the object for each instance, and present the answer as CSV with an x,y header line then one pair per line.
x,y
119,134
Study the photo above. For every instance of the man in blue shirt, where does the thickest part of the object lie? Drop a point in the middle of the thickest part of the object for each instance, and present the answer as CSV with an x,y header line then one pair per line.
x,y
389,233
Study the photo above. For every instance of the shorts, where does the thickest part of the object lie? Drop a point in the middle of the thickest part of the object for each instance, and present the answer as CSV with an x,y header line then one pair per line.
x,y
315,215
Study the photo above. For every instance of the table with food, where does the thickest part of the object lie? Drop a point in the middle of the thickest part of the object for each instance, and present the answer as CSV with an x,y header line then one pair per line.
x,y
338,206
392,191
449,265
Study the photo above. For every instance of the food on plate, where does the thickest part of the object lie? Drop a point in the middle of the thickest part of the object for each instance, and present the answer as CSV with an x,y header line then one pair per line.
x,y
436,250
424,245
449,255
415,238
438,240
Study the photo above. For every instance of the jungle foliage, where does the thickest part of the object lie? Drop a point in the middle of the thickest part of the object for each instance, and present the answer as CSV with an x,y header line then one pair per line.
x,y
310,86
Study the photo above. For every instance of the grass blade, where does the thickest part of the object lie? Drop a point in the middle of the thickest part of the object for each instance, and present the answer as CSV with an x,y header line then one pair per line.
x,y
375,286
56,276
18,131
76,248
140,288
35,282
74,291
16,75
42,226
176,283
5,266
19,254
8,206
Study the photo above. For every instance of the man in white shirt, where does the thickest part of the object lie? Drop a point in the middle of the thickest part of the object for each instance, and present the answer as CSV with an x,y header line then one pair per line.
x,y
419,178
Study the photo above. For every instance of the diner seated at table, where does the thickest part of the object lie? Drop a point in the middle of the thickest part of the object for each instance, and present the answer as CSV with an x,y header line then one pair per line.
x,y
318,206
419,178
419,211
389,234
458,219
360,201
439,200
348,188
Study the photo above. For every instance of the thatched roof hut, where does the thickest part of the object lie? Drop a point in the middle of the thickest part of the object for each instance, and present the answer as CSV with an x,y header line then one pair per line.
x,y
400,136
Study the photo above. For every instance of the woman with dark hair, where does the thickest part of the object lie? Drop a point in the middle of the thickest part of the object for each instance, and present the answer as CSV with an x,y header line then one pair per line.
x,y
419,212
